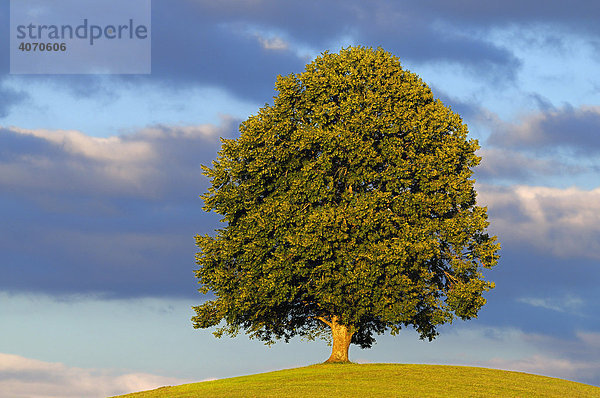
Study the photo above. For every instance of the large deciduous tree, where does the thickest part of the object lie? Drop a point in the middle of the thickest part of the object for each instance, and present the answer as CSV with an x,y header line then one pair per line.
x,y
349,207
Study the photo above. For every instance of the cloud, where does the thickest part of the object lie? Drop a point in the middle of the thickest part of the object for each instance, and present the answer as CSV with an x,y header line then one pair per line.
x,y
69,161
410,32
194,45
576,129
268,40
569,303
111,149
275,43
9,98
213,44
148,163
75,259
578,17
548,146
573,358
29,378
190,47
507,164
590,338
113,215
565,222
198,42
571,355
117,215
570,369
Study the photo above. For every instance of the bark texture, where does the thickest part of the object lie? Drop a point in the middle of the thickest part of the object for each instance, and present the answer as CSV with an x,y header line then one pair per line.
x,y
342,336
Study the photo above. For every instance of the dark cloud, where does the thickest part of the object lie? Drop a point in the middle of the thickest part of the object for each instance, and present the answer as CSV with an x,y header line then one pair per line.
x,y
572,128
540,293
527,272
543,104
9,98
63,259
401,29
215,42
511,165
5,34
218,43
117,215
189,45
114,215
509,154
578,15
467,109
546,145
14,145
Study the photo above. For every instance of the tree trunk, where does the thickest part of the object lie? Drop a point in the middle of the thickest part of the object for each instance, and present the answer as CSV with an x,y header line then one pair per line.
x,y
341,342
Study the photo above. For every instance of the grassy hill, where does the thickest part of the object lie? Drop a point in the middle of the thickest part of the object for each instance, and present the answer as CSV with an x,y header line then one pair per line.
x,y
380,380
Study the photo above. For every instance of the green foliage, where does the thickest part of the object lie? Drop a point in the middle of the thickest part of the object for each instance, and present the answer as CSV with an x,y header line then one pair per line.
x,y
350,197
380,380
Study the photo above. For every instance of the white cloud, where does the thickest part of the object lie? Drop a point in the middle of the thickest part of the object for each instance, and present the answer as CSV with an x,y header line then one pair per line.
x,y
146,163
570,304
29,378
110,149
565,222
207,131
273,43
268,38
549,366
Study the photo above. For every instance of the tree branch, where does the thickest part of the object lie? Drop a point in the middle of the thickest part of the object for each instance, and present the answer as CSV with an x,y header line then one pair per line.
x,y
325,321
451,278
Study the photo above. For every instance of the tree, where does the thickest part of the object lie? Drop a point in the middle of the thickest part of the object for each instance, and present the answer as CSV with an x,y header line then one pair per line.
x,y
349,208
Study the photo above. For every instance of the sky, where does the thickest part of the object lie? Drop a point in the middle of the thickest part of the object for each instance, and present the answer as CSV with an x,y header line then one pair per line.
x,y
100,181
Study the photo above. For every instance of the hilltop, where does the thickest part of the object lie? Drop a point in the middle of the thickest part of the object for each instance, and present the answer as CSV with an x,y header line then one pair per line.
x,y
380,380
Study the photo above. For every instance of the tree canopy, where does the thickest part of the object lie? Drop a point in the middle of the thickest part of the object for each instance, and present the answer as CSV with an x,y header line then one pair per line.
x,y
349,207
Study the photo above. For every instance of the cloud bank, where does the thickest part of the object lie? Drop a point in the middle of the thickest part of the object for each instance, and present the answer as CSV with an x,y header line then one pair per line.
x,y
117,215
565,222
571,359
146,164
576,129
30,378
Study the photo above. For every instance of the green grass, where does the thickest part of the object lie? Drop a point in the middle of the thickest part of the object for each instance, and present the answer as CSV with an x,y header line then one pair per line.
x,y
380,380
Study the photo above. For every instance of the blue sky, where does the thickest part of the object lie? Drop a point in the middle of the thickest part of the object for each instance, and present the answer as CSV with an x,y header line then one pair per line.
x,y
100,178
